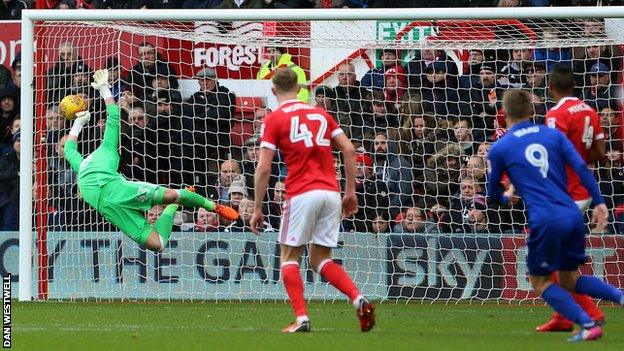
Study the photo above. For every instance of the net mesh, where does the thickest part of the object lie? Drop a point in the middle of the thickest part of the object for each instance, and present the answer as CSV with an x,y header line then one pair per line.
x,y
420,100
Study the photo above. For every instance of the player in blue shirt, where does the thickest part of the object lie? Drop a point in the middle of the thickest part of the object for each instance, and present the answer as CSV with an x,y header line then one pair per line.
x,y
535,157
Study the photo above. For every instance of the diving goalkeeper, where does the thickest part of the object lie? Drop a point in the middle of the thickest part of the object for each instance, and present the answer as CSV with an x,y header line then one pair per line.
x,y
123,202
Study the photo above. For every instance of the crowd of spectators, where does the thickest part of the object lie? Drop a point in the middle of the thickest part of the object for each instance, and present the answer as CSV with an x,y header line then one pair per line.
x,y
422,128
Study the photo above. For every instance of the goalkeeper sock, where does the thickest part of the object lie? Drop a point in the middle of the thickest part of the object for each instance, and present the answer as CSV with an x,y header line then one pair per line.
x,y
294,287
190,199
164,224
595,287
561,301
337,277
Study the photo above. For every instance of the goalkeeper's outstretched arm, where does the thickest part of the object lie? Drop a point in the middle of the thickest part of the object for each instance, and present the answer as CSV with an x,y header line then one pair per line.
x,y
71,145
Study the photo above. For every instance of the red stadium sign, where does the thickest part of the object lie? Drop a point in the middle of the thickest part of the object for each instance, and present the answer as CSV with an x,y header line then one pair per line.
x,y
10,41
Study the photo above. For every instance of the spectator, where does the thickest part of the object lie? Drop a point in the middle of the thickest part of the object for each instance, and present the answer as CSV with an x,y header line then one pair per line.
x,y
9,187
468,207
593,55
475,168
277,57
374,79
484,101
167,84
245,210
259,114
325,97
612,127
200,4
438,97
483,149
511,73
372,195
206,120
276,204
384,116
442,174
8,111
15,84
350,101
144,72
237,192
417,67
380,224
414,221
291,4
228,172
5,76
395,172
509,3
81,81
54,128
66,5
250,159
117,85
601,93
206,221
60,75
395,83
12,9
535,78
462,129
139,149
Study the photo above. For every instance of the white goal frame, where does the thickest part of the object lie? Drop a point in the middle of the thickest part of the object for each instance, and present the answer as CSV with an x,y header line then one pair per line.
x,y
29,17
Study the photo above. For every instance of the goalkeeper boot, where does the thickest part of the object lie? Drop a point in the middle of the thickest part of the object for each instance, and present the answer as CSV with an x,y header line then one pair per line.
x,y
557,323
226,212
297,327
366,315
587,334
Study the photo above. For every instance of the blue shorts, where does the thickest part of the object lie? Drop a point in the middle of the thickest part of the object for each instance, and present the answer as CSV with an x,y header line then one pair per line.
x,y
557,246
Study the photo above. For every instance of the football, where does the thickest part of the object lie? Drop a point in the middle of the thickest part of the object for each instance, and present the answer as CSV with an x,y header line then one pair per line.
x,y
70,105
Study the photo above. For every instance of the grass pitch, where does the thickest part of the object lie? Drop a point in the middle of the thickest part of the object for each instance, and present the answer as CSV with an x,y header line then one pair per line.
x,y
255,326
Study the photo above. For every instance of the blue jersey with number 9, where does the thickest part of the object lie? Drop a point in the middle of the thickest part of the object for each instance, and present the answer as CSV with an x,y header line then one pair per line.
x,y
534,156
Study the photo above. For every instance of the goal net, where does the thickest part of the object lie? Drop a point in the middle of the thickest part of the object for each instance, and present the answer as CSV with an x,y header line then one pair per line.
x,y
420,98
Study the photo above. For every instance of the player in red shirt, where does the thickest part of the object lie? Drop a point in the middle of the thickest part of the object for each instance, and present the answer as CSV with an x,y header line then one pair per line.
x,y
581,124
304,135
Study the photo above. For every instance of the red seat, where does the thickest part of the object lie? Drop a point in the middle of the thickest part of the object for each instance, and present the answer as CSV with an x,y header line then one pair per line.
x,y
246,105
241,131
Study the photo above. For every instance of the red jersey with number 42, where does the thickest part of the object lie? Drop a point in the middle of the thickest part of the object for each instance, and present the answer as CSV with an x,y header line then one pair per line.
x,y
303,135
581,124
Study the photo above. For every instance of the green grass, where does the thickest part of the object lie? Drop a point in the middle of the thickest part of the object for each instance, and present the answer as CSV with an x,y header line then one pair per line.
x,y
255,326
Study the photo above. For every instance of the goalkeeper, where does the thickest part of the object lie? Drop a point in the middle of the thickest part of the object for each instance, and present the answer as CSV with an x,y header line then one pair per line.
x,y
123,202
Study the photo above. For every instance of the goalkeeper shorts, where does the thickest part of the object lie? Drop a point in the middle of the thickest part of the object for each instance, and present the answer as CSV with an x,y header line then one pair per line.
x,y
123,203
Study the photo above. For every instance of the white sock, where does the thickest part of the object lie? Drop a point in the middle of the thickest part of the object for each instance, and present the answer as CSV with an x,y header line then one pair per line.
x,y
356,302
302,319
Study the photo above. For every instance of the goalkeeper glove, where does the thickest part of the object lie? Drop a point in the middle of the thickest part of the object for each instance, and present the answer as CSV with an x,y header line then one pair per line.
x,y
82,118
100,82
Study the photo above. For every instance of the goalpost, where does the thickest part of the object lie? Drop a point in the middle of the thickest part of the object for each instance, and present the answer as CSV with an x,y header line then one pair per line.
x,y
175,135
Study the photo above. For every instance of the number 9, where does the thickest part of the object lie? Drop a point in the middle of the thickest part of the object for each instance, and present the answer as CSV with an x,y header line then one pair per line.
x,y
542,161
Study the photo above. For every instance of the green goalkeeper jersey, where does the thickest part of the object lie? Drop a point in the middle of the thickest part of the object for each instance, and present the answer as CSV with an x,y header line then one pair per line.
x,y
100,167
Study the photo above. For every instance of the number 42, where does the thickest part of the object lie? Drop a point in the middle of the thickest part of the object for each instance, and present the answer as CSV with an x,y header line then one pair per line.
x,y
300,131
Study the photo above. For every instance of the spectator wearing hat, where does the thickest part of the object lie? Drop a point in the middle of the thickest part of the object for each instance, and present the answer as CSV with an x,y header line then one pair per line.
x,y
485,101
510,74
372,195
395,83
278,57
601,93
168,84
237,192
416,68
9,186
592,55
206,121
535,78
59,77
81,80
471,78
143,73
8,111
438,98
374,79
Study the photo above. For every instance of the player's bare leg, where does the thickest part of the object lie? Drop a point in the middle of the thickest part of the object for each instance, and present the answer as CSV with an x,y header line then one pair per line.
x,y
320,258
291,275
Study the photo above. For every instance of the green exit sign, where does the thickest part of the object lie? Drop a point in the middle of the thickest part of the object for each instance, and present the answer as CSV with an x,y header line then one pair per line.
x,y
388,30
